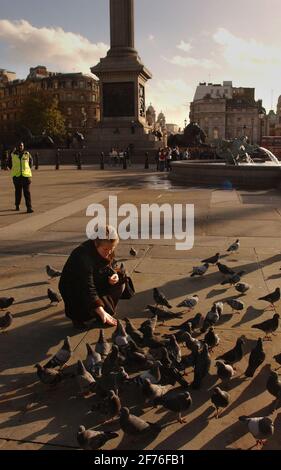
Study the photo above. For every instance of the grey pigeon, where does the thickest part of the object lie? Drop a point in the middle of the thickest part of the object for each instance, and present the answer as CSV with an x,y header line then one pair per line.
x,y
234,247
256,358
162,314
135,426
212,316
153,374
233,278
199,270
102,346
119,336
190,302
272,297
261,428
191,343
268,326
133,252
52,273
236,305
152,391
273,385
183,327
220,399
160,298
225,270
180,335
151,323
93,440
137,358
61,357
151,341
179,403
48,376
53,296
6,321
133,332
212,260
93,362
112,381
242,287
211,339
174,349
224,371
234,355
202,367
84,379
109,407
169,373
113,360
6,302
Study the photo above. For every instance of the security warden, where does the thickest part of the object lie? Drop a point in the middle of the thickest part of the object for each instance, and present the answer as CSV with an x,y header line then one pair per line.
x,y
20,163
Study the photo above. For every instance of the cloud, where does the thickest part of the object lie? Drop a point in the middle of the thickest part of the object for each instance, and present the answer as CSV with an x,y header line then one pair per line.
x,y
184,46
192,62
151,37
172,97
58,49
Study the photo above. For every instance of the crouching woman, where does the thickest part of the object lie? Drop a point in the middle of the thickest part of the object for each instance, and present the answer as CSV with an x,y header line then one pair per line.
x,y
89,286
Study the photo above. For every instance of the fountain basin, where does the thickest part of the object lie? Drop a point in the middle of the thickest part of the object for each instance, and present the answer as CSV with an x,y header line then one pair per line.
x,y
217,173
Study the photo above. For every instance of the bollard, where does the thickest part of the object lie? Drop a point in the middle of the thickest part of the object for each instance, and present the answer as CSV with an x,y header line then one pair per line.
x,y
58,160
36,160
102,161
124,163
78,160
146,162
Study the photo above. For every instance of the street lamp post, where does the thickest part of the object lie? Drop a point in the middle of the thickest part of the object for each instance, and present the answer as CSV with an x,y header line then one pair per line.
x,y
261,118
185,123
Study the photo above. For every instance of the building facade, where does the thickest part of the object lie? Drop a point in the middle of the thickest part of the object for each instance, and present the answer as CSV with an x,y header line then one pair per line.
x,y
226,112
77,95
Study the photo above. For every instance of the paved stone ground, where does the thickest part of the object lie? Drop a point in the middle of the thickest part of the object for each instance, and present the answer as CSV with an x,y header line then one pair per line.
x,y
32,417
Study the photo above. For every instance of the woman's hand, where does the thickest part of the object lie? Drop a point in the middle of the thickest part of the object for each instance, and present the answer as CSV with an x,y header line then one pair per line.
x,y
113,279
105,317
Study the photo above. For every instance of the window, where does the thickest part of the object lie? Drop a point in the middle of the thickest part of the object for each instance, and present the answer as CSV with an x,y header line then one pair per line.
x,y
81,84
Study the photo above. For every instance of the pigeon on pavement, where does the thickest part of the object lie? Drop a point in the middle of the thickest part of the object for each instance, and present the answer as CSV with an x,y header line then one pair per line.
x,y
6,321
61,357
220,399
135,426
52,273
212,260
190,302
236,305
211,339
6,302
53,296
268,326
234,355
224,371
48,376
109,407
261,428
93,362
234,247
242,287
233,279
84,379
160,298
256,358
133,252
93,440
225,270
199,270
102,347
272,297
179,403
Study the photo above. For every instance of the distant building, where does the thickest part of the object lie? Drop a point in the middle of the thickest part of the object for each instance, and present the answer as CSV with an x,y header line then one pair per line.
x,y
151,116
172,128
224,111
77,95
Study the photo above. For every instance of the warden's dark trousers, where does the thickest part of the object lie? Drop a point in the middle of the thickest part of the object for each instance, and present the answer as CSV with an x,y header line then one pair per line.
x,y
22,184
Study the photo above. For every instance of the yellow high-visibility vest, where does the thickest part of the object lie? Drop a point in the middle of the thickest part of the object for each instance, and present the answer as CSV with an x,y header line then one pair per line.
x,y
20,166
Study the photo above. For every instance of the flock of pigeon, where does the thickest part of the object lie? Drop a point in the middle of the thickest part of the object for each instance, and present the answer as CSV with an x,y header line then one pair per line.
x,y
157,364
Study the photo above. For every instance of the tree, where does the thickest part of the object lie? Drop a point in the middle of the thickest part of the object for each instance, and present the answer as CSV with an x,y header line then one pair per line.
x,y
41,114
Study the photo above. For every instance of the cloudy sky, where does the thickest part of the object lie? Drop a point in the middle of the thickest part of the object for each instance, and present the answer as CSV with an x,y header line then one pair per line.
x,y
182,42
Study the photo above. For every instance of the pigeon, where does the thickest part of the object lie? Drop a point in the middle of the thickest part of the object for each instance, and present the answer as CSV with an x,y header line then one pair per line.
x,y
212,260
102,346
113,360
184,327
85,380
202,367
151,323
53,296
211,339
272,297
152,391
191,343
135,334
234,247
169,373
212,316
199,270
52,273
273,385
137,358
225,270
162,314
150,340
180,335
111,381
93,440
61,357
93,362
233,279
6,321
48,376
220,399
190,302
234,355
242,287
119,336
153,374
224,371
135,426
110,406
6,302
268,326
256,358
236,305
174,349
133,252
178,403
260,428
196,321
160,298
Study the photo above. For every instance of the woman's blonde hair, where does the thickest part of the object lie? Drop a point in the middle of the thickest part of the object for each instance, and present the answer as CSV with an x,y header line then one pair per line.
x,y
110,235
